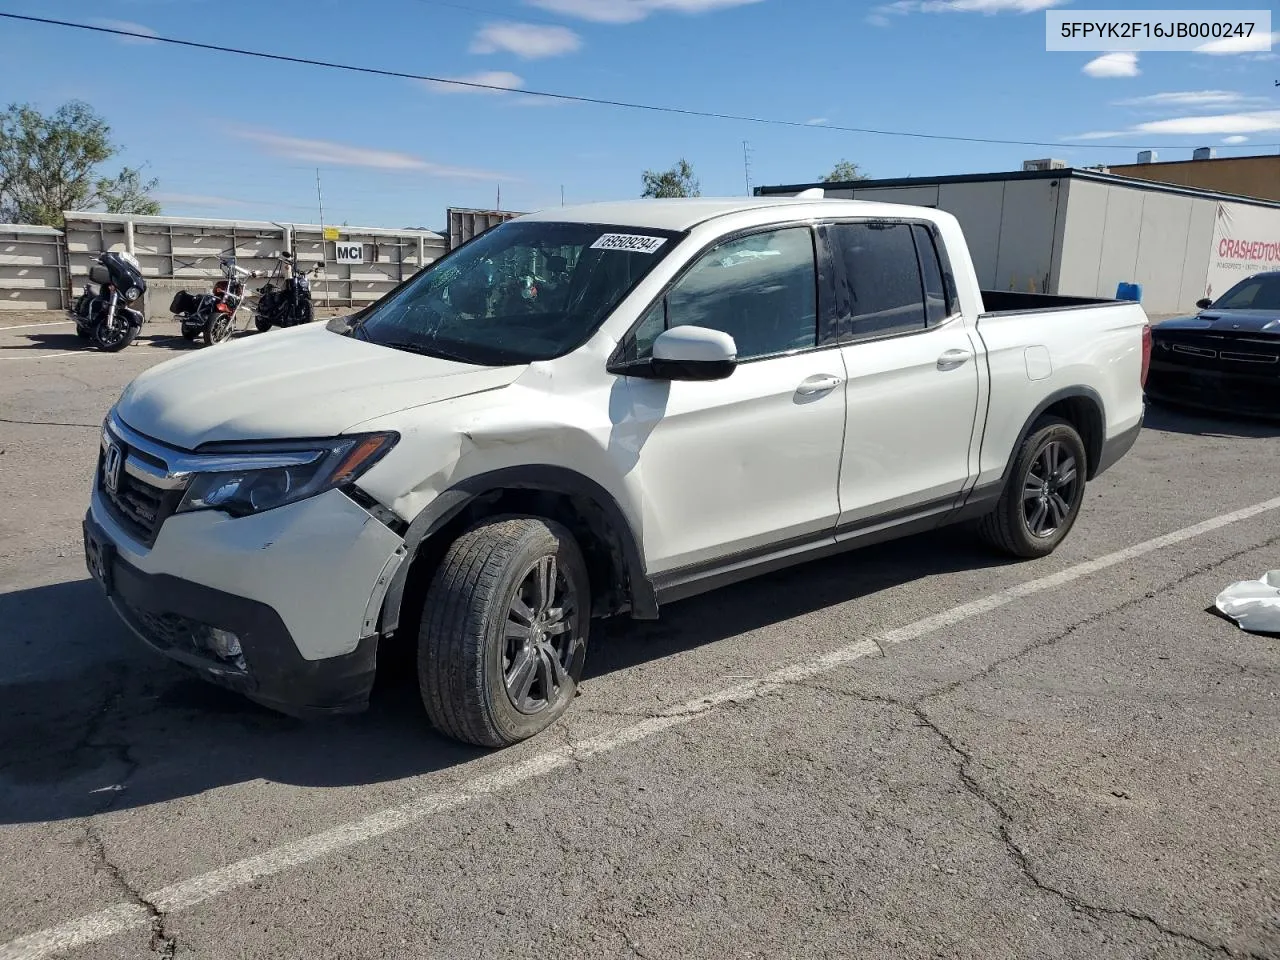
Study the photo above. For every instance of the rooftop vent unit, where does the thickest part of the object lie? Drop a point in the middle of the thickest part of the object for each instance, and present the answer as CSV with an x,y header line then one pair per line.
x,y
1203,153
1046,164
1147,156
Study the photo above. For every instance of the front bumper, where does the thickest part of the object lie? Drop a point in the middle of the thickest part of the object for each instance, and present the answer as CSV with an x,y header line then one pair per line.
x,y
300,591
1242,393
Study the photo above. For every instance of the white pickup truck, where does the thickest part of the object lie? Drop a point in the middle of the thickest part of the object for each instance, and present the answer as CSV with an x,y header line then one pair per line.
x,y
588,412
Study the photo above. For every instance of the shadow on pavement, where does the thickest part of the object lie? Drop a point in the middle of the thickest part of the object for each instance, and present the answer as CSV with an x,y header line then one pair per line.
x,y
91,720
67,340
1170,419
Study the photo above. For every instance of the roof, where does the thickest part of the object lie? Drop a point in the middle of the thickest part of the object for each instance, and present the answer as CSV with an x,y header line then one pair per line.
x,y
96,216
677,214
1068,173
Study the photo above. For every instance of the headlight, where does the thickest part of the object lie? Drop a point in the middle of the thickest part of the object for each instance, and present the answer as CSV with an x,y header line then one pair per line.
x,y
261,477
133,293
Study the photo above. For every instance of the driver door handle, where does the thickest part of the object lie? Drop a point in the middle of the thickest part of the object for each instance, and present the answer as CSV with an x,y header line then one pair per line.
x,y
818,384
951,359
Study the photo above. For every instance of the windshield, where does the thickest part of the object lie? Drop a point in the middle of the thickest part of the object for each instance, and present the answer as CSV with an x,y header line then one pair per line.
x,y
1256,293
521,292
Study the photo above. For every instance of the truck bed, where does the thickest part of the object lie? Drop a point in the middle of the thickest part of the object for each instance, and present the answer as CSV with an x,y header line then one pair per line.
x,y
1013,301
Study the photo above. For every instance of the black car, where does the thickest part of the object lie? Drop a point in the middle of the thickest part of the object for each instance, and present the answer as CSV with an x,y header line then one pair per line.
x,y
1227,357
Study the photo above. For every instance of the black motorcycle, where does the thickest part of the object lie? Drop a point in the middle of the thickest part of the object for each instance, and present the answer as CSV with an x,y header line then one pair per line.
x,y
288,303
213,315
103,312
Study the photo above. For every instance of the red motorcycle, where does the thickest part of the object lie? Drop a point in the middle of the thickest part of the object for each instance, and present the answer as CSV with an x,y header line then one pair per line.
x,y
213,315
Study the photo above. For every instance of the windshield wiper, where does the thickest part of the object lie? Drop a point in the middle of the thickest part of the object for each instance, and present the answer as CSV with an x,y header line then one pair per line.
x,y
423,350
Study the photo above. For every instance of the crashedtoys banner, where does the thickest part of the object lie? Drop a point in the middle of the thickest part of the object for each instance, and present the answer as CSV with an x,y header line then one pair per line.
x,y
1246,240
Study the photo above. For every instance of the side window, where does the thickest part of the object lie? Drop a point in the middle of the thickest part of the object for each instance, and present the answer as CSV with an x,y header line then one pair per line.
x,y
936,306
883,274
760,289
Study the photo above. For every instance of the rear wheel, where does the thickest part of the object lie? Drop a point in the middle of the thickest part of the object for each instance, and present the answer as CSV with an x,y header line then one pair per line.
x,y
504,631
1044,493
219,328
189,334
261,322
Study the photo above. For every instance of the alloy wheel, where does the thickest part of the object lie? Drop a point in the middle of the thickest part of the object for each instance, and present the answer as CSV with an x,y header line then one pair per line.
x,y
542,639
1049,490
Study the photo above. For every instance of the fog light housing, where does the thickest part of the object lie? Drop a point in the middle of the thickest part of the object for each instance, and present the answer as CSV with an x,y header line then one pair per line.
x,y
224,643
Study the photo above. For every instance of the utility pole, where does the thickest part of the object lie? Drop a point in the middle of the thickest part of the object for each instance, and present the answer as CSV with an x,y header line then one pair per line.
x,y
746,164
499,204
562,194
324,244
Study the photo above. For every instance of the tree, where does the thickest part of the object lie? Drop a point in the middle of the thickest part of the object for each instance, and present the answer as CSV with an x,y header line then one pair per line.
x,y
679,181
126,193
50,163
845,172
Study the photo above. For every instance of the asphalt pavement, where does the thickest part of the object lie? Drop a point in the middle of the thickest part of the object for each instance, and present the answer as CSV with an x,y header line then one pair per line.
x,y
915,750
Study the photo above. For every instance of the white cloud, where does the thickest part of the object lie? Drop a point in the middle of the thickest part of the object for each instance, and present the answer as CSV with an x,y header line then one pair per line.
x,y
497,82
1234,140
347,155
200,200
880,15
631,11
1191,100
131,27
527,40
1112,65
818,122
1231,124
1258,43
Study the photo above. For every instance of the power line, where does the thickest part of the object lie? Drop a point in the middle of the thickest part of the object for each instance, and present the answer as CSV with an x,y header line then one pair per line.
x,y
597,101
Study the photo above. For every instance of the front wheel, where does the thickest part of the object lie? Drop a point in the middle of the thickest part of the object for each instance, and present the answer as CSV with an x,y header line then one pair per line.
x,y
504,631
1042,498
110,340
219,328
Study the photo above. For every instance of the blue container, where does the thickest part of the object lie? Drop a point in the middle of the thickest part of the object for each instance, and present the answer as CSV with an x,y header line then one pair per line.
x,y
1129,291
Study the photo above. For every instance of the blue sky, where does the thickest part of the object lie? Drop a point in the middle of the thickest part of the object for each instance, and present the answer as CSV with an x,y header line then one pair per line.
x,y
242,138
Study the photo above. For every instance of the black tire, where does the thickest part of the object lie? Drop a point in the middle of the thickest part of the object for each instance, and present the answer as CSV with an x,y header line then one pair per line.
x,y
190,335
219,327
109,341
470,645
262,323
1031,523
82,333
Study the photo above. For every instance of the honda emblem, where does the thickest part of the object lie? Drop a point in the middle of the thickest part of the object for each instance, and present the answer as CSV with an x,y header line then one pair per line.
x,y
111,468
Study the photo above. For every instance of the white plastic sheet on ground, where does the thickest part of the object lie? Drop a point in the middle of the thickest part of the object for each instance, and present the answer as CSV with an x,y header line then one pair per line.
x,y
1254,604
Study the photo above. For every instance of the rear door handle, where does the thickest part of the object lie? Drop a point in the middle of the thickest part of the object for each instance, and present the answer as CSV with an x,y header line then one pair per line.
x,y
818,384
954,358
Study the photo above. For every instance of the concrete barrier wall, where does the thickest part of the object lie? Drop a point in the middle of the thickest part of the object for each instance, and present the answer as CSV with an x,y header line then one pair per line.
x,y
41,268
33,272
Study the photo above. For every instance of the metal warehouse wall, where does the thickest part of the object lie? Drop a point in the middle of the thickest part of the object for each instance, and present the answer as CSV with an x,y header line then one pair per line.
x,y
1118,233
33,274
1014,227
176,252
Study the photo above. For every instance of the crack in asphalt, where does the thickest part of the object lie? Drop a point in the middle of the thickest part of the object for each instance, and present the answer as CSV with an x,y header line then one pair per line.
x,y
49,423
162,942
1089,621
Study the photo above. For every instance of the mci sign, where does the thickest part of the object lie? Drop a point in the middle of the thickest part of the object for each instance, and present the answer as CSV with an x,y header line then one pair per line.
x,y
349,252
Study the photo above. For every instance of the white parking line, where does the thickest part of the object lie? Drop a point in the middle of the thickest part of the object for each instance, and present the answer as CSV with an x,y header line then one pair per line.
x,y
44,323
207,886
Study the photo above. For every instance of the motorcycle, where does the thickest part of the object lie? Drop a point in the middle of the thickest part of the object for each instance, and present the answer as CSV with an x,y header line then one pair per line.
x,y
213,315
103,312
288,304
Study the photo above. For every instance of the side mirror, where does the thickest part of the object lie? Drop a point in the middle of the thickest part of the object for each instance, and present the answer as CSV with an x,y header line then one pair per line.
x,y
693,353
1204,303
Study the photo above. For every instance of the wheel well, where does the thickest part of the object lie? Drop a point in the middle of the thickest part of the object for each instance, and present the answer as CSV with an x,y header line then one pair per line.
x,y
601,545
1085,415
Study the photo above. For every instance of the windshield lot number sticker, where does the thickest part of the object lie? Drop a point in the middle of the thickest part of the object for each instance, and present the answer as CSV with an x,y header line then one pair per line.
x,y
629,243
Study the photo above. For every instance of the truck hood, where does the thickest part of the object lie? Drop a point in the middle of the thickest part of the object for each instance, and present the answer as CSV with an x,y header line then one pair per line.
x,y
1231,321
298,383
